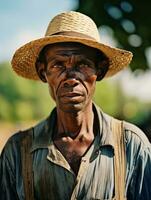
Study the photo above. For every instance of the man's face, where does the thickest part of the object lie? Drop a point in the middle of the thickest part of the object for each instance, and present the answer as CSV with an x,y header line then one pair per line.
x,y
71,75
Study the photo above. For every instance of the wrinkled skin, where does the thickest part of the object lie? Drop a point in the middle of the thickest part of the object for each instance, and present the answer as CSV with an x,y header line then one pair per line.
x,y
71,73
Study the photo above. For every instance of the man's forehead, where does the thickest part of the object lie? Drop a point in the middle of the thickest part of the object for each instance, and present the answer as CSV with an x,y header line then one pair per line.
x,y
69,48
67,45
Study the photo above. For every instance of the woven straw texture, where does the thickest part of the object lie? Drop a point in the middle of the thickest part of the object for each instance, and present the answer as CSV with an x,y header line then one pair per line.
x,y
85,32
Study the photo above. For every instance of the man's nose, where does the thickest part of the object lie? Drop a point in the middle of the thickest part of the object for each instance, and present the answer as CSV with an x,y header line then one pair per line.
x,y
71,82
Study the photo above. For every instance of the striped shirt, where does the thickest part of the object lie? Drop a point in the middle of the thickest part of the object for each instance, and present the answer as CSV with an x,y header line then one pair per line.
x,y
55,180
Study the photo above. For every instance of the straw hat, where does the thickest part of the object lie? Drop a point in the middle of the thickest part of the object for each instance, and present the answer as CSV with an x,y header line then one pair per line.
x,y
68,27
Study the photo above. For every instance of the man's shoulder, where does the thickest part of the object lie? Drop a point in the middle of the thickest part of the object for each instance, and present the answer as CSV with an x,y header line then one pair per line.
x,y
13,144
25,132
131,131
134,133
15,140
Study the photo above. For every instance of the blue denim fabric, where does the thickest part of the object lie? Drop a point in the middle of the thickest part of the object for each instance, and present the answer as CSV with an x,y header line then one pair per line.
x,y
54,178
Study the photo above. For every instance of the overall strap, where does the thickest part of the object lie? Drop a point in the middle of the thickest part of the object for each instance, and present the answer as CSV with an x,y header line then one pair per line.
x,y
27,170
119,159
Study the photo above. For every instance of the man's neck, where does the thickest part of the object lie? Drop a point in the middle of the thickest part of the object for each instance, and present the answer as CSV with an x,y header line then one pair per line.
x,y
74,125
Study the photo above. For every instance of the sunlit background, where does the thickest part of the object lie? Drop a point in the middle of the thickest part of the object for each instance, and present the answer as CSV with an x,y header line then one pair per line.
x,y
121,24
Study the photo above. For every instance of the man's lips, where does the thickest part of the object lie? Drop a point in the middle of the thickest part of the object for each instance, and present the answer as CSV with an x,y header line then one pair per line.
x,y
71,94
72,97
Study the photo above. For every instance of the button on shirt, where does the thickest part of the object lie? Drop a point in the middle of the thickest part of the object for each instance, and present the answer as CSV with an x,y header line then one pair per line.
x,y
55,180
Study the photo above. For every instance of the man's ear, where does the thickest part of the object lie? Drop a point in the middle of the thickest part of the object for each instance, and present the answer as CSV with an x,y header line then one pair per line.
x,y
102,68
40,67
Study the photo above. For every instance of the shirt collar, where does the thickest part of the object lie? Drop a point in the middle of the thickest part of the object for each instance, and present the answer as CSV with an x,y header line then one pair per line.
x,y
104,127
42,136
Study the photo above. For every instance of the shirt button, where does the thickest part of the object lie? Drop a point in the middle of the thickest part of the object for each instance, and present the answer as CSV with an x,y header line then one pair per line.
x,y
84,160
97,152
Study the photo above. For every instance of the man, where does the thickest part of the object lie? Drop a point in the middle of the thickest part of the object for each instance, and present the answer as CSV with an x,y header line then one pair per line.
x,y
78,152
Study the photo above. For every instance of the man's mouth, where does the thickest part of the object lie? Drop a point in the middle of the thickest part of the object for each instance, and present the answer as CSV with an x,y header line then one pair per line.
x,y
71,94
72,97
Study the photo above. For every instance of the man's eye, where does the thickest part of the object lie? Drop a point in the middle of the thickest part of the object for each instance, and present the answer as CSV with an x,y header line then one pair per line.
x,y
84,65
55,66
86,68
58,65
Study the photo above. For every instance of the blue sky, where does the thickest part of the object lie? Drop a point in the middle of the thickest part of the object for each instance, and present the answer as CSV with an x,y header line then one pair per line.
x,y
24,20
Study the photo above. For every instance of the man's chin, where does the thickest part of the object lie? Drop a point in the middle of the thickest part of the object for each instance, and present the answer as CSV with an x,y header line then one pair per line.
x,y
72,107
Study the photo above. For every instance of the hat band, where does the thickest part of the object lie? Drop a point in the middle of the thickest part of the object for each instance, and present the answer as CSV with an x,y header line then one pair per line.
x,y
74,34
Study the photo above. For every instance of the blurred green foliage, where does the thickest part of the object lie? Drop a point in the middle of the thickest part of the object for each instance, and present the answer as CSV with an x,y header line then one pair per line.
x,y
22,99
111,98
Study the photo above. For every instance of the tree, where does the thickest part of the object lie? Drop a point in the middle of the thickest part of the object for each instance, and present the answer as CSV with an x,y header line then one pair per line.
x,y
129,21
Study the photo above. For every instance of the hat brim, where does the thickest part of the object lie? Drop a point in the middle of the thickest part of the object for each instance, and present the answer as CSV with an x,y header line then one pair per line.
x,y
24,59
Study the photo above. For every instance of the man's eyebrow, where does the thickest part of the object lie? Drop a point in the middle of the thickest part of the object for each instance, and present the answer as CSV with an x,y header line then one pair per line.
x,y
57,57
63,54
69,53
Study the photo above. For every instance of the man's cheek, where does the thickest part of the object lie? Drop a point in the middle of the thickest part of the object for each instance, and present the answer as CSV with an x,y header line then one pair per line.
x,y
52,92
93,78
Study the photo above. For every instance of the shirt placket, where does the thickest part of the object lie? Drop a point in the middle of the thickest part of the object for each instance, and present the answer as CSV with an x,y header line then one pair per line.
x,y
85,160
55,156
